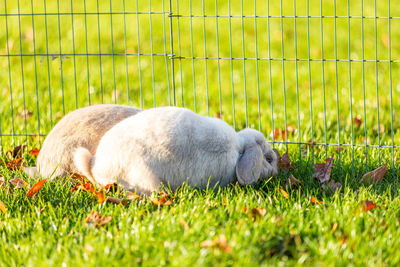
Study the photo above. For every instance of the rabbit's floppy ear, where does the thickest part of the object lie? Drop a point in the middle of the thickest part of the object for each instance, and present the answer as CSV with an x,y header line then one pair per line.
x,y
248,167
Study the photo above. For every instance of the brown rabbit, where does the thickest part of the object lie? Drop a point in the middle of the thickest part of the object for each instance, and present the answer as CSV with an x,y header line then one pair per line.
x,y
83,127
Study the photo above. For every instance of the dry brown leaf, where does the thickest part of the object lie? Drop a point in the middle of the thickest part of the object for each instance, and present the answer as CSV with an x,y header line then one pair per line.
x,y
2,181
375,176
292,182
96,219
79,177
314,200
284,161
3,207
15,164
357,121
161,202
16,152
35,188
258,212
332,186
219,243
132,196
19,183
34,152
323,170
116,201
184,224
284,193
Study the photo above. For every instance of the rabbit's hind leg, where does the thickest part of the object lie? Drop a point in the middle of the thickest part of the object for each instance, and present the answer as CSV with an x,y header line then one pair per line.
x,y
142,181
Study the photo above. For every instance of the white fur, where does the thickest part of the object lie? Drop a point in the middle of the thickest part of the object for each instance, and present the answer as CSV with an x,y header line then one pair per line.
x,y
171,146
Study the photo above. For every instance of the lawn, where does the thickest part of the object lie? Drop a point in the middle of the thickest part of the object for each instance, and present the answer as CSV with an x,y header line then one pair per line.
x,y
298,77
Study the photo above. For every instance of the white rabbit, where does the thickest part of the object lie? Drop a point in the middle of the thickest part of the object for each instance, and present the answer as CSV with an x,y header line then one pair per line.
x,y
83,127
171,146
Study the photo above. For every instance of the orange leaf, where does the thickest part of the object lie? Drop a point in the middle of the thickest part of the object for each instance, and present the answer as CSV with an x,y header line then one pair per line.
x,y
284,193
88,187
35,188
14,164
2,207
314,200
357,121
368,205
375,176
34,152
163,200
100,196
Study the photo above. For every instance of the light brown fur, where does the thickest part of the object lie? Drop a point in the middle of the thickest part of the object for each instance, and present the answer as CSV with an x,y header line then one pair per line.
x,y
80,128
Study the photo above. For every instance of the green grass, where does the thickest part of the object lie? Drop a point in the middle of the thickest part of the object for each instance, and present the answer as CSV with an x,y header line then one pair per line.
x,y
50,228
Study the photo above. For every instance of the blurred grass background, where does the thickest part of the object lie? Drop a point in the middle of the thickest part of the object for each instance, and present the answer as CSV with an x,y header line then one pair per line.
x,y
314,66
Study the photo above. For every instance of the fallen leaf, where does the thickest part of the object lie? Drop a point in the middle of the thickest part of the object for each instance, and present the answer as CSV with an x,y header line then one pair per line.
x,y
34,152
277,132
323,170
284,193
97,219
132,196
292,182
2,181
332,186
161,202
375,176
290,128
79,177
100,196
314,200
184,224
219,243
357,121
19,183
284,162
2,207
258,212
164,200
17,151
88,187
111,188
367,205
15,164
35,188
116,201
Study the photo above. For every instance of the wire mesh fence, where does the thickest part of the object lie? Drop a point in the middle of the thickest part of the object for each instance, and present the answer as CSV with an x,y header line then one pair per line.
x,y
318,78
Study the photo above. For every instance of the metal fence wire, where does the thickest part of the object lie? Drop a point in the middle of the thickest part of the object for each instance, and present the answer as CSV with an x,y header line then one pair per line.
x,y
318,78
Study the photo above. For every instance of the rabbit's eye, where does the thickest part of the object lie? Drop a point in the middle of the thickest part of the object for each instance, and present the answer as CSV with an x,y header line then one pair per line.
x,y
269,159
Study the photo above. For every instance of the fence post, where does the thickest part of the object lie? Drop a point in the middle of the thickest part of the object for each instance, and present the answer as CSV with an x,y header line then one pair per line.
x,y
172,56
